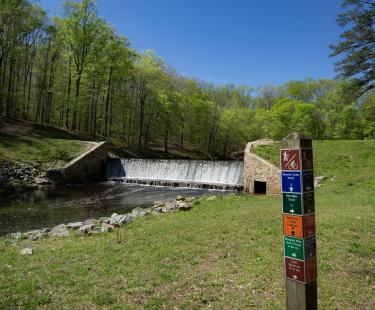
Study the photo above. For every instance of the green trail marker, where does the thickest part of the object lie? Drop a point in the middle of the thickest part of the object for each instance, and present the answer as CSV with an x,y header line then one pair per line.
x,y
299,248
292,203
294,247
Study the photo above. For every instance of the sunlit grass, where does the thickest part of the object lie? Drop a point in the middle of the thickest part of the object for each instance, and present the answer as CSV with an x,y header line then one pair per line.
x,y
226,253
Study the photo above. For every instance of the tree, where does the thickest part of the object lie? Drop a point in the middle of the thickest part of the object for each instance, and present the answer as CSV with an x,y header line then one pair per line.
x,y
357,44
80,29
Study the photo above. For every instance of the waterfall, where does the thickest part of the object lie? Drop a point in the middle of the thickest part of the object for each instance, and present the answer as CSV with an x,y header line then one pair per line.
x,y
182,173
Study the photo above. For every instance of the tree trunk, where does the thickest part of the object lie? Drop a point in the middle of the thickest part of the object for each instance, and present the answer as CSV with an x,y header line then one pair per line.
x,y
166,134
9,111
141,120
68,108
182,132
75,110
106,118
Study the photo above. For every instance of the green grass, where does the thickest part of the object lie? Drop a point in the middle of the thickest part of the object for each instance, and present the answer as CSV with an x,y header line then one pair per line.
x,y
39,147
224,254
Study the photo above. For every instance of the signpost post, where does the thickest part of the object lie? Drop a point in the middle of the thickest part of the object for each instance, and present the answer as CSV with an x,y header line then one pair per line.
x,y
298,212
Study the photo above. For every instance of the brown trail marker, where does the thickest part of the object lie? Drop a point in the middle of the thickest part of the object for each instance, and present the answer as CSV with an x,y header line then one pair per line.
x,y
298,214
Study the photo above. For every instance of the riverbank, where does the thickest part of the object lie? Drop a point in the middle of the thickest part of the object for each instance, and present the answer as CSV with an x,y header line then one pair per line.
x,y
103,224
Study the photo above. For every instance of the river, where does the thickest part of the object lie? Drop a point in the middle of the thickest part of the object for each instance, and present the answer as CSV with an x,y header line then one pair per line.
x,y
55,205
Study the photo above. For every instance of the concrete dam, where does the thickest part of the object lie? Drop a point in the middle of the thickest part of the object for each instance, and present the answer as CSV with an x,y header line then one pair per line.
x,y
208,174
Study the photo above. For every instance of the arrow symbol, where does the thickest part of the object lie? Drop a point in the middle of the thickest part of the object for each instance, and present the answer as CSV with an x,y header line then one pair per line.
x,y
294,277
292,211
294,255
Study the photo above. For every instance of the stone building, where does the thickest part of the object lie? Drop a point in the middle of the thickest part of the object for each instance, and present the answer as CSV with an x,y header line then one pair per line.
x,y
260,176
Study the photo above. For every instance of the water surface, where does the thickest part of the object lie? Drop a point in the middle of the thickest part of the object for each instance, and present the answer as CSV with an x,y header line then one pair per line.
x,y
53,206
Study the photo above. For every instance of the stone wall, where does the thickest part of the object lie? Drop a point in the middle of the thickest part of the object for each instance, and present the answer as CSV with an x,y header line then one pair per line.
x,y
84,168
258,169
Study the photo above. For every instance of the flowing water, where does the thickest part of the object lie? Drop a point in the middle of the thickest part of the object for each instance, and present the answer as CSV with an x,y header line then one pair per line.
x,y
53,206
184,173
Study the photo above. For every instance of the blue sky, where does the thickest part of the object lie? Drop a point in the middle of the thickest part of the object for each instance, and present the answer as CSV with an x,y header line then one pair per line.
x,y
241,42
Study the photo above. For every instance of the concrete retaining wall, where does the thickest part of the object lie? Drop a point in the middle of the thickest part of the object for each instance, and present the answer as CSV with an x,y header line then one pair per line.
x,y
84,168
257,169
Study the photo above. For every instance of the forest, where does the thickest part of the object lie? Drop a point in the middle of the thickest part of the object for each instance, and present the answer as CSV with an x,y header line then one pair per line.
x,y
77,73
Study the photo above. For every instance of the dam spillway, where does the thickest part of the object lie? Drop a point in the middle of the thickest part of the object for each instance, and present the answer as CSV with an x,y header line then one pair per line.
x,y
208,174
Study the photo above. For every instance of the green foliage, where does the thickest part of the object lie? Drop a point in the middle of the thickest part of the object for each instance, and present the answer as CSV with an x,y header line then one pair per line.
x,y
77,73
357,42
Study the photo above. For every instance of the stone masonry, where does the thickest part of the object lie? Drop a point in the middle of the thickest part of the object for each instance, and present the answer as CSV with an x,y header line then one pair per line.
x,y
86,167
257,169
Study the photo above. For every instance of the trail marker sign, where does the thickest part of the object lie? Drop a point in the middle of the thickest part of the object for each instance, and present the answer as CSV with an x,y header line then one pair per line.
x,y
290,160
298,208
291,181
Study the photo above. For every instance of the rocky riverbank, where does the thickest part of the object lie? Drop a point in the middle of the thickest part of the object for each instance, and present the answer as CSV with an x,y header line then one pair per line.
x,y
104,224
19,177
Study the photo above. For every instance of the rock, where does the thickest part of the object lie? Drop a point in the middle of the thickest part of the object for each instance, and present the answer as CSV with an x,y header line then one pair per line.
x,y
180,198
139,212
130,218
92,221
85,229
211,198
76,225
41,181
159,210
158,204
46,230
60,231
118,219
318,181
17,236
34,234
106,227
93,232
184,206
106,220
189,199
26,251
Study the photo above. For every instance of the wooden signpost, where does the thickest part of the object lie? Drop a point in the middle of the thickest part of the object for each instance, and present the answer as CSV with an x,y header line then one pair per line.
x,y
298,212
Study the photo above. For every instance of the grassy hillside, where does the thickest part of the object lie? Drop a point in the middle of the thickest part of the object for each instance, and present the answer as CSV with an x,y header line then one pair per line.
x,y
44,147
226,253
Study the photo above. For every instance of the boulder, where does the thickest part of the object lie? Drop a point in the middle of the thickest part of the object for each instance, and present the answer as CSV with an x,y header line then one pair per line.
x,y
17,236
130,218
34,234
139,212
159,210
118,219
26,251
75,225
184,206
106,220
60,231
180,198
158,204
318,181
92,221
106,227
85,229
